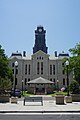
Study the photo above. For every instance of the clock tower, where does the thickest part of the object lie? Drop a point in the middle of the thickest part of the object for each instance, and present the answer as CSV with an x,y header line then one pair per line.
x,y
40,42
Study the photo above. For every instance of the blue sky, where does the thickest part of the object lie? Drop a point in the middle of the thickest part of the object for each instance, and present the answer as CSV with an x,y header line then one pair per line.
x,y
19,19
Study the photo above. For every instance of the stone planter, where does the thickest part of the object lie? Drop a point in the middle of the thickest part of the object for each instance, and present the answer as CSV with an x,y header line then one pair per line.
x,y
13,100
4,98
59,99
75,97
68,99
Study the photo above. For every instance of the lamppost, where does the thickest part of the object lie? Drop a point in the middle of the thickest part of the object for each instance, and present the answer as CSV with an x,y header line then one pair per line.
x,y
67,64
15,65
22,86
57,85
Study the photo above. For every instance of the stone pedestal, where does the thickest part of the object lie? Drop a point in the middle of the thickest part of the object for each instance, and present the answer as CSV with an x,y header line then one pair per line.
x,y
68,99
13,100
75,97
59,99
4,98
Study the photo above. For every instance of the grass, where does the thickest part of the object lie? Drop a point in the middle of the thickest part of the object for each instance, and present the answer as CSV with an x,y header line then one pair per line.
x,y
25,93
58,93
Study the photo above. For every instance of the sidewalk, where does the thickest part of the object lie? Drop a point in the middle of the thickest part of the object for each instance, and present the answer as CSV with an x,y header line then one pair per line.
x,y
49,105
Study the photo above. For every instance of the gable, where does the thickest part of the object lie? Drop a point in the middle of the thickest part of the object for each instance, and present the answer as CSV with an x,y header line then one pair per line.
x,y
40,80
40,53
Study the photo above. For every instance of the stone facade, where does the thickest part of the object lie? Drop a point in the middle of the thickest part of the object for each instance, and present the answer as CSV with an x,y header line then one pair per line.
x,y
39,64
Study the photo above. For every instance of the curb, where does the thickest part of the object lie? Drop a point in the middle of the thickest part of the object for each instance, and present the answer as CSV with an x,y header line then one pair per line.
x,y
40,111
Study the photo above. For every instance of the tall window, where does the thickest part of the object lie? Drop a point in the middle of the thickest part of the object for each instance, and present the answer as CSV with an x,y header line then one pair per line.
x,y
28,79
50,79
63,72
25,81
29,70
54,69
50,69
37,67
63,81
12,64
63,64
16,71
41,67
26,69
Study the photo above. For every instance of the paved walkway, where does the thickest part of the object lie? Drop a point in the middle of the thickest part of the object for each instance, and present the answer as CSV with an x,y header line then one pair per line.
x,y
49,105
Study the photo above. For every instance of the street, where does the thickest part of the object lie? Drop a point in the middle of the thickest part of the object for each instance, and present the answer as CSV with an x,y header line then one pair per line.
x,y
40,117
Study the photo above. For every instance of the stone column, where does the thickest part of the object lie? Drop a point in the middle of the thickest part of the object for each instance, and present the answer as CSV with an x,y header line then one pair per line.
x,y
34,88
45,89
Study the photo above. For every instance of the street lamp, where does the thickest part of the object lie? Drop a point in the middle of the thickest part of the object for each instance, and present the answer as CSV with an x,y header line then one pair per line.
x,y
67,64
15,65
22,86
57,85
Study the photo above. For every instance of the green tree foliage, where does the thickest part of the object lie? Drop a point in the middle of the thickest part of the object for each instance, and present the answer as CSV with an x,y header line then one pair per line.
x,y
5,84
75,61
5,72
74,87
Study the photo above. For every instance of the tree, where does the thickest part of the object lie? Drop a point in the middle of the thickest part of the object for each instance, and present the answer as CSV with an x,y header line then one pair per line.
x,y
74,87
75,61
5,72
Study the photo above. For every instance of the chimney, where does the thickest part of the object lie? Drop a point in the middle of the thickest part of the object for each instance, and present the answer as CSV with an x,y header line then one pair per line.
x,y
24,53
55,53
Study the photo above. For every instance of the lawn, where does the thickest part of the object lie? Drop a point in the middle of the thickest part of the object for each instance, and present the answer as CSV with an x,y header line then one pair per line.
x,y
25,93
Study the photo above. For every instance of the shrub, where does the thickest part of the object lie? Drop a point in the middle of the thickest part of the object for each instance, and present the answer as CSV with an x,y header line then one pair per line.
x,y
74,87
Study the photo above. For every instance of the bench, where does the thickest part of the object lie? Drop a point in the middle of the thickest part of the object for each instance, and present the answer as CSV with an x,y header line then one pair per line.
x,y
33,99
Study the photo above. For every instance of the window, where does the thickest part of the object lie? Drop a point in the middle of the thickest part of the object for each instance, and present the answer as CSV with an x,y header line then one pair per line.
x,y
29,70
63,81
63,72
26,69
25,81
41,67
54,69
16,71
50,69
50,79
38,68
12,64
40,58
28,79
63,64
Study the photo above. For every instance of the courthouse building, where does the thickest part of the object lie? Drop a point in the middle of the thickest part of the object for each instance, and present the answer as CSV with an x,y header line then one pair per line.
x,y
39,72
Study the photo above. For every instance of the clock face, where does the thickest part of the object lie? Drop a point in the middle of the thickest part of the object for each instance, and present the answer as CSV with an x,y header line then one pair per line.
x,y
40,30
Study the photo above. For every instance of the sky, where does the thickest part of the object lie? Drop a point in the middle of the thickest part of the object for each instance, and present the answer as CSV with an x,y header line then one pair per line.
x,y
20,18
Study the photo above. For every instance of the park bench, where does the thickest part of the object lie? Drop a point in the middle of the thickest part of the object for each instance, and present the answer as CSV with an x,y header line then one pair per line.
x,y
33,99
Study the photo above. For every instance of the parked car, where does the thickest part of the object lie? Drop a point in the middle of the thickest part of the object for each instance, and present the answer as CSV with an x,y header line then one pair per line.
x,y
17,93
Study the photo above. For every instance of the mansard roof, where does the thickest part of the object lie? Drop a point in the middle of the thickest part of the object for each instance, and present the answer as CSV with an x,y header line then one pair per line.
x,y
40,80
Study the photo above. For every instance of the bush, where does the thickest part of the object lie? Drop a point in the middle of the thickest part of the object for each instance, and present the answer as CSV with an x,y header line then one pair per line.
x,y
74,87
5,85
